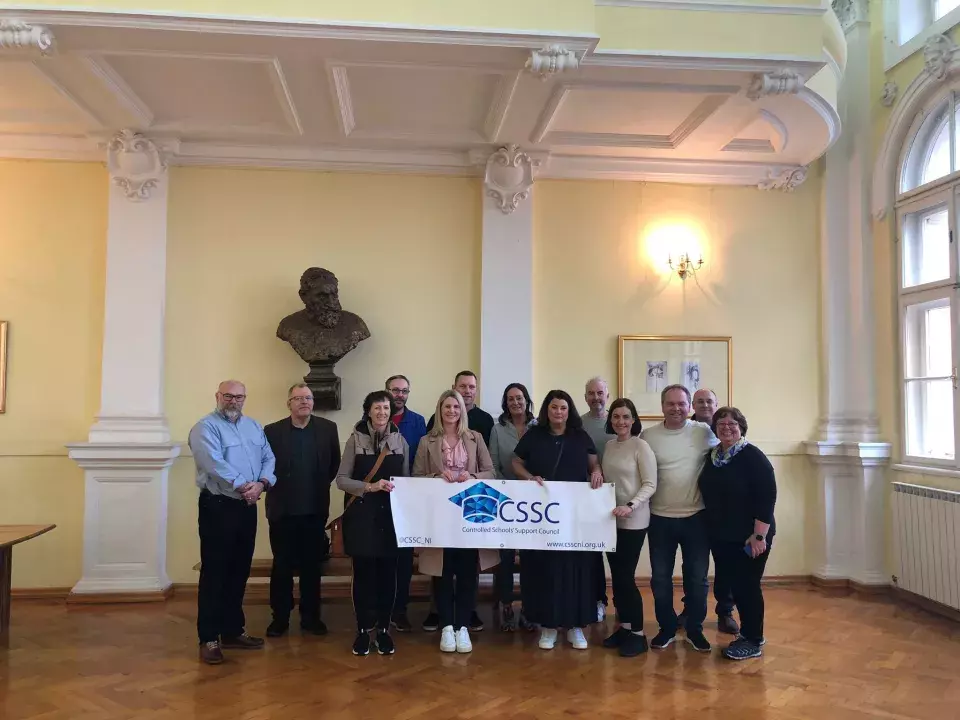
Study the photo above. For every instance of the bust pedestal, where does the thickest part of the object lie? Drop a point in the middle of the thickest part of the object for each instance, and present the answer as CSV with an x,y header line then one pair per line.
x,y
325,386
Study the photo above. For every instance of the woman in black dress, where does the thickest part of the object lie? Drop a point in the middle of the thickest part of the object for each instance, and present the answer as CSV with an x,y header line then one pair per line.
x,y
559,587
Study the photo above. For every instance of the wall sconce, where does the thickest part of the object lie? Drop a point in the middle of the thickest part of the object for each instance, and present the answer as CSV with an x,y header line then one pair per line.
x,y
684,265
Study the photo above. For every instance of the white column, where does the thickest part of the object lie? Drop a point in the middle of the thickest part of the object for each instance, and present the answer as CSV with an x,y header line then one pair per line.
x,y
851,462
127,459
506,310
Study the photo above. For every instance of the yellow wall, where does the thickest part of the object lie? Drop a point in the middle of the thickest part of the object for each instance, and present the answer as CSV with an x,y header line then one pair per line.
x,y
596,277
52,252
406,251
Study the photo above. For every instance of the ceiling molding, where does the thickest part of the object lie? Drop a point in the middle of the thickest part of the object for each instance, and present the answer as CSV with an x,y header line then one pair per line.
x,y
500,106
118,87
748,145
340,91
92,117
715,6
804,65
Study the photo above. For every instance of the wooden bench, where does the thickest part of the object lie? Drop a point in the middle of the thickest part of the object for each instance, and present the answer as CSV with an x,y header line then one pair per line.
x,y
11,535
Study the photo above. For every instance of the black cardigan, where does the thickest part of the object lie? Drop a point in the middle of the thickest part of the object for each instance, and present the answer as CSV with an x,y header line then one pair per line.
x,y
738,493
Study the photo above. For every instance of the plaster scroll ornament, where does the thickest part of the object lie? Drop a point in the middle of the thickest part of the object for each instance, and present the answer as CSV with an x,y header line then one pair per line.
x,y
18,36
509,177
135,164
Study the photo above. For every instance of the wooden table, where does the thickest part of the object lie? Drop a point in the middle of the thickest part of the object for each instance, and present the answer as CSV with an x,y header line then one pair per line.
x,y
11,535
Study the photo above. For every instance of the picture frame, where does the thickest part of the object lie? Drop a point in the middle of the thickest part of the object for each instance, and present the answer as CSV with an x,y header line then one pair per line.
x,y
4,325
649,363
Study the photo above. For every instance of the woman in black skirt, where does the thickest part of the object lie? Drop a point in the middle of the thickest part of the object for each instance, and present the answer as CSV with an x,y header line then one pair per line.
x,y
559,586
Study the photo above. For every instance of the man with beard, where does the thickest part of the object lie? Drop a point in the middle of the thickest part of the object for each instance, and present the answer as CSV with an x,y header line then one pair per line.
x,y
412,427
234,466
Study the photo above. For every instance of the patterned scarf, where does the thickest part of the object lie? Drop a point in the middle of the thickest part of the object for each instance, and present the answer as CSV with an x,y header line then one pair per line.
x,y
721,457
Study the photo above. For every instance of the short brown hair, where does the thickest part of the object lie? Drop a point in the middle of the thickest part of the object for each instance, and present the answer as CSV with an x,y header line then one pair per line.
x,y
732,412
668,388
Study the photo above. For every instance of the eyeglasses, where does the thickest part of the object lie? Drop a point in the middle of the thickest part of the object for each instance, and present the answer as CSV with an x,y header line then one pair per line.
x,y
230,398
398,391
302,399
728,425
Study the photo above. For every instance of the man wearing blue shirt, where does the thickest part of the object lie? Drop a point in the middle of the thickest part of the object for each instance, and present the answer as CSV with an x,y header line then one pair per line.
x,y
412,427
234,466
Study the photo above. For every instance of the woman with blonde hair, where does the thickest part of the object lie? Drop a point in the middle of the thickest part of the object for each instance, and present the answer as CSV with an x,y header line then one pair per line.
x,y
457,454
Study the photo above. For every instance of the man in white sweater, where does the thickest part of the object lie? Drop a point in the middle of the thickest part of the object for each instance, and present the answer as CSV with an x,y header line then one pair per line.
x,y
680,446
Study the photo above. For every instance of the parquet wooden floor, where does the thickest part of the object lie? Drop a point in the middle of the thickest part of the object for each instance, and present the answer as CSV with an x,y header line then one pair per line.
x,y
828,657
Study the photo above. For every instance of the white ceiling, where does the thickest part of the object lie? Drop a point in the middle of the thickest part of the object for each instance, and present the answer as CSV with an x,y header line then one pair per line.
x,y
244,93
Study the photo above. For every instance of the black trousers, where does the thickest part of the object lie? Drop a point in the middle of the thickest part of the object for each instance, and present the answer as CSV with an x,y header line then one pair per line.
x,y
623,576
404,575
504,576
600,577
299,543
456,590
374,591
722,592
228,532
744,573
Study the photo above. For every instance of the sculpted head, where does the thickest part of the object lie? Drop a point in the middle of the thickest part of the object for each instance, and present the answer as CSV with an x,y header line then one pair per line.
x,y
320,294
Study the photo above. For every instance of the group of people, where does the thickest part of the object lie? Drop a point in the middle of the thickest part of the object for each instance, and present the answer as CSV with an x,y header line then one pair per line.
x,y
692,482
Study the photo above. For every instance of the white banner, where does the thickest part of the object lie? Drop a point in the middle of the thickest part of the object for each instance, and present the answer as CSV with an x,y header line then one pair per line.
x,y
494,514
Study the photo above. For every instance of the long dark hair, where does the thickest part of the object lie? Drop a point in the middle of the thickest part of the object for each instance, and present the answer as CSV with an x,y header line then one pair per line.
x,y
505,415
573,418
637,426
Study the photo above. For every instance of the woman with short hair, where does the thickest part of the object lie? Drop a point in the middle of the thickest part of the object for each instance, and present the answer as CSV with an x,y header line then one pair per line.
x,y
457,454
739,491
374,452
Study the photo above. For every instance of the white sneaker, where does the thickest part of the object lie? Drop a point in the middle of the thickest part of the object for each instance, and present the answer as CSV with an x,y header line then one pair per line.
x,y
448,640
575,637
463,641
548,638
601,612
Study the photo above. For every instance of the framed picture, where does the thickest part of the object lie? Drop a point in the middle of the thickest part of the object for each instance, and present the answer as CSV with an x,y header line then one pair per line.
x,y
649,363
3,365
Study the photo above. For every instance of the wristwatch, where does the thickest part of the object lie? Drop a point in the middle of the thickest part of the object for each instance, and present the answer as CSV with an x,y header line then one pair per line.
x,y
759,538
631,505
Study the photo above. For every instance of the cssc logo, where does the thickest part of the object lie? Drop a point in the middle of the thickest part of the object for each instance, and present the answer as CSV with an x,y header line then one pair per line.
x,y
483,504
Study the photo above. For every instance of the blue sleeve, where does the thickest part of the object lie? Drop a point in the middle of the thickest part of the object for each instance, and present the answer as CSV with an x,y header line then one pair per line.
x,y
208,454
268,462
421,430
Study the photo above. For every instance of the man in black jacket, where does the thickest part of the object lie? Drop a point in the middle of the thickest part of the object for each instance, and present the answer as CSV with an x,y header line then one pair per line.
x,y
307,449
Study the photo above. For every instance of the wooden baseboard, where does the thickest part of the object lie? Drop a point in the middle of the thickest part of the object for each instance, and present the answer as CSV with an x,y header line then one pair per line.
x,y
850,586
925,603
125,597
57,594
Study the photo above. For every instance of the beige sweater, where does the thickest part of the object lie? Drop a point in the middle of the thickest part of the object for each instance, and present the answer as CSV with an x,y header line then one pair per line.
x,y
632,468
680,457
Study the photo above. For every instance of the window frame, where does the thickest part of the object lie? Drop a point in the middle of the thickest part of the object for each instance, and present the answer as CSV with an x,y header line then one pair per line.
x,y
895,52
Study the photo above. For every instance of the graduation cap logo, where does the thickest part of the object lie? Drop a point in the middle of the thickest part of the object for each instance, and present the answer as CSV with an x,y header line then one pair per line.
x,y
480,503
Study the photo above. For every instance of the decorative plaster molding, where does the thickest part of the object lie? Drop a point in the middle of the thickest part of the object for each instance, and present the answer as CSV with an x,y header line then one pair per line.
x,y
509,177
18,36
552,60
851,12
781,82
135,163
787,180
889,95
938,56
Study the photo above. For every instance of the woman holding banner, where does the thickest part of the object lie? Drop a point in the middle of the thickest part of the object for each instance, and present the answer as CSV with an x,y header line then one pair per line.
x,y
457,454
559,585
375,452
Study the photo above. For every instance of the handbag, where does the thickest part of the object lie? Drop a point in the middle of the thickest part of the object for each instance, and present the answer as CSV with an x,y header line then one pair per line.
x,y
335,526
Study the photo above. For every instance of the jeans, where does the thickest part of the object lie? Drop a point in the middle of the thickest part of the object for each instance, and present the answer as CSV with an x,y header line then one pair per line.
x,y
228,531
374,591
745,574
456,590
404,575
722,592
690,535
623,576
298,543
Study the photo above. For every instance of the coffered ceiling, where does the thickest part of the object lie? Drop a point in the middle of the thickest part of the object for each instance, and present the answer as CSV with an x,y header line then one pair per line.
x,y
380,99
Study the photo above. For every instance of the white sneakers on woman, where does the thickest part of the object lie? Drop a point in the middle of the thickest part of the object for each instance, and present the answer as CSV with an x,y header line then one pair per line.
x,y
455,640
548,639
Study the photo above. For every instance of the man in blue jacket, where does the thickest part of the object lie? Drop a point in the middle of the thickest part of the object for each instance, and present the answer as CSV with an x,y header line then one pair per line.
x,y
412,427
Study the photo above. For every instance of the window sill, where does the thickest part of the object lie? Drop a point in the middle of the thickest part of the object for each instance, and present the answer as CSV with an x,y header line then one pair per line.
x,y
895,53
927,470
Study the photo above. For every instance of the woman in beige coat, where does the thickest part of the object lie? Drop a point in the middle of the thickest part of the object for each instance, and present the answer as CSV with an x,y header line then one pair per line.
x,y
456,454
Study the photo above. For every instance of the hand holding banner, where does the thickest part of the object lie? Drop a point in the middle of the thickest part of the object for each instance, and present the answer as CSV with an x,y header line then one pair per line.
x,y
495,514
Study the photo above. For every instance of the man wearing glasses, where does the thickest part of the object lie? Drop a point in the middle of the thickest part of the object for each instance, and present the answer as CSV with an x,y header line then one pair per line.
x,y
307,449
412,427
234,466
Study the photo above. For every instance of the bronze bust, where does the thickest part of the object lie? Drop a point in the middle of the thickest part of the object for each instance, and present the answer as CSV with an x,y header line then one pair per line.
x,y
322,334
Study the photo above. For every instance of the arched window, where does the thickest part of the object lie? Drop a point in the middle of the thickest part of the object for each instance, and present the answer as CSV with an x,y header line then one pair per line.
x,y
928,201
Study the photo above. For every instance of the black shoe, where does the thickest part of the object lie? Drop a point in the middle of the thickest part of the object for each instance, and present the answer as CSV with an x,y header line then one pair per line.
x,y
361,646
742,649
241,642
431,623
476,624
662,640
682,620
385,644
313,627
508,618
401,623
525,624
727,625
763,640
699,642
616,640
278,628
633,645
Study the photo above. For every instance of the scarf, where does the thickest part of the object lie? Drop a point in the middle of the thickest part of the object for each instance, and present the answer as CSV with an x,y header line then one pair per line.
x,y
722,457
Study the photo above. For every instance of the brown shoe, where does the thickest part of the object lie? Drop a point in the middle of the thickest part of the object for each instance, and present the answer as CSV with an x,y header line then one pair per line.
x,y
210,653
242,642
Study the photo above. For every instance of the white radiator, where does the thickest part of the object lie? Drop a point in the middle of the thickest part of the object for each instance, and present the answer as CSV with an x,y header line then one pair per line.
x,y
926,526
